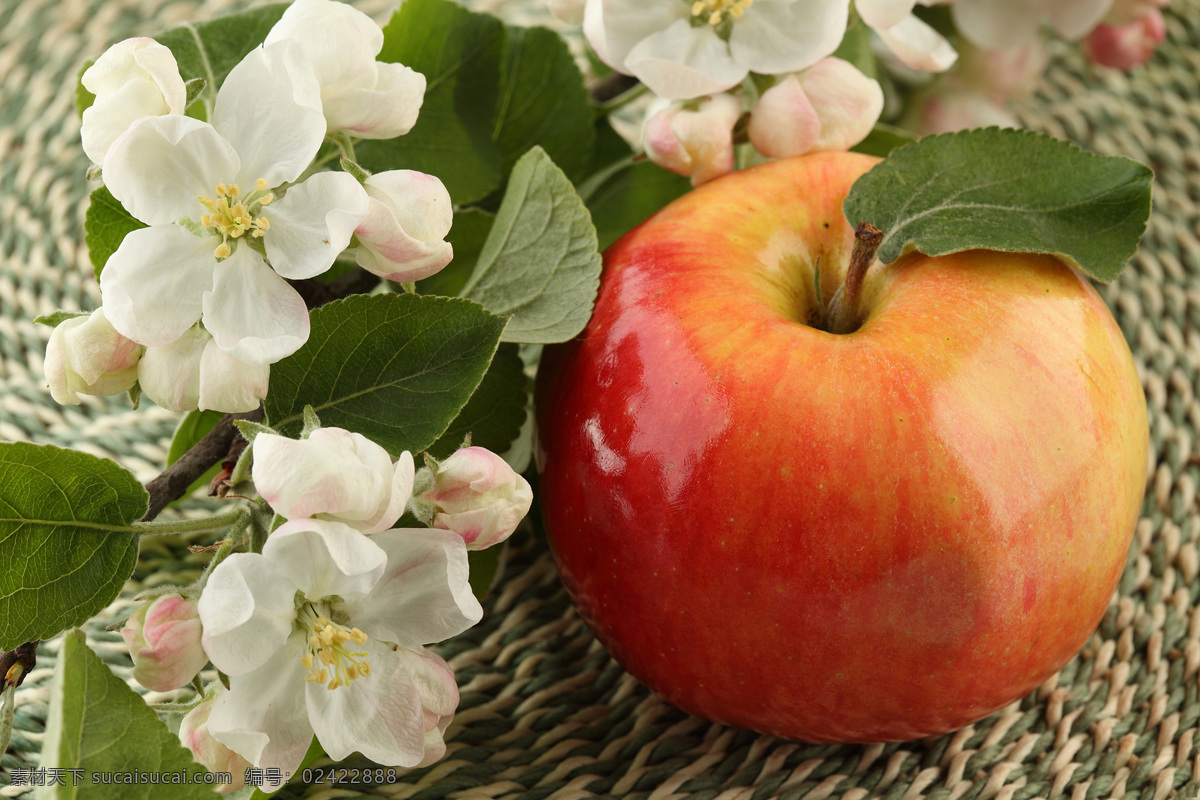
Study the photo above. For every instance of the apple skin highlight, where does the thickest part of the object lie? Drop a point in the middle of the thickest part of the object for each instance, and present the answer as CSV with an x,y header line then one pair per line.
x,y
875,536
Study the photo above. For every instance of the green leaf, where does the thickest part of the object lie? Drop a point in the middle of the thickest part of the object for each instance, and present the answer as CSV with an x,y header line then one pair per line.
x,y
458,52
83,98
56,318
543,102
191,429
1016,191
395,368
65,534
484,566
495,412
856,48
630,196
470,231
209,50
104,227
883,139
97,724
540,262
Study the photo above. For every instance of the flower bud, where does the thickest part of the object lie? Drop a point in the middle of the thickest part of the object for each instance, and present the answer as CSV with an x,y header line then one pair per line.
x,y
477,495
334,475
403,236
193,372
1126,46
438,689
132,79
693,138
214,756
1002,75
86,355
163,636
1123,12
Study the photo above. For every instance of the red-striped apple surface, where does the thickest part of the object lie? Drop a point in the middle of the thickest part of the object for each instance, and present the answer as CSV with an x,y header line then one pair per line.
x,y
876,534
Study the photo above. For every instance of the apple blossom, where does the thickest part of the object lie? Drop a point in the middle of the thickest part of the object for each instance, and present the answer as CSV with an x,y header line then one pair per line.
x,y
193,373
403,237
214,756
1123,12
693,138
368,98
132,79
682,50
213,250
956,108
1007,24
322,633
1003,75
476,494
1126,46
911,40
86,355
830,106
163,636
335,475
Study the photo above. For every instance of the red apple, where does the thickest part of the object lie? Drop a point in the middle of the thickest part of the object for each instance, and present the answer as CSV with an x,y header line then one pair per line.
x,y
877,535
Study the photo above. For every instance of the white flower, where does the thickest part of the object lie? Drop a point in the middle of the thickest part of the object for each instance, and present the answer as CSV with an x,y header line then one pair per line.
x,y
86,355
693,138
163,636
477,495
830,106
683,50
1008,24
333,474
132,79
322,633
911,40
955,108
216,757
193,373
370,99
403,237
266,128
1003,75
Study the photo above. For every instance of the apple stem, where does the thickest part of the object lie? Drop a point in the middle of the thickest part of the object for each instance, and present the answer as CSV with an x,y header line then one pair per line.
x,y
842,313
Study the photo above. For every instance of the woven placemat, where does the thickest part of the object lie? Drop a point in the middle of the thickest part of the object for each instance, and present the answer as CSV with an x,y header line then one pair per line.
x,y
545,712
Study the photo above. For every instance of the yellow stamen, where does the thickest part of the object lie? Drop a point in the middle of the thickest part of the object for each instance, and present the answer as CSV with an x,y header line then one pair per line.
x,y
329,659
223,251
232,219
714,12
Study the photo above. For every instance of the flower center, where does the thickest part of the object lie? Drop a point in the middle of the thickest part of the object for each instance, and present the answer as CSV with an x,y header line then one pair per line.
x,y
328,659
714,12
234,216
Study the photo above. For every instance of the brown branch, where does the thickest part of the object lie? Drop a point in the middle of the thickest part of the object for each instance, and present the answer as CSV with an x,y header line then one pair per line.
x,y
611,86
318,293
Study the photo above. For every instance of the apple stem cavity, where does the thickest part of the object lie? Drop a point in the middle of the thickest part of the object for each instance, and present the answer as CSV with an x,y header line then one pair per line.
x,y
841,315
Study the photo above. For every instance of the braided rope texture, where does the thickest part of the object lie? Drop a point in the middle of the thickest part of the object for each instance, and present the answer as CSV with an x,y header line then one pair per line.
x,y
545,712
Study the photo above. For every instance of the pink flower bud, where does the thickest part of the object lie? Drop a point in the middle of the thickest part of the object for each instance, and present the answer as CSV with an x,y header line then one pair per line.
x,y
214,756
86,355
163,636
1126,46
438,689
334,475
477,495
693,138
403,236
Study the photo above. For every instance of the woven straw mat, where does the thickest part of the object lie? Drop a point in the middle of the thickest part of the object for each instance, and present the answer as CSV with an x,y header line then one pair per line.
x,y
545,711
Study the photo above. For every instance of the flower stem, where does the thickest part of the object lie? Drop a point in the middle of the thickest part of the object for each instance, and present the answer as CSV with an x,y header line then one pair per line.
x,y
160,527
841,316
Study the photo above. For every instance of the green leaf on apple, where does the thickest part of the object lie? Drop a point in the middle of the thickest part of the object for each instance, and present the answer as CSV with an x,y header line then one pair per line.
x,y
66,535
396,368
97,724
1010,190
540,264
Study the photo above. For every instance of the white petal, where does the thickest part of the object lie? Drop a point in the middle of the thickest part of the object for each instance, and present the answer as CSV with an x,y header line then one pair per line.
x,y
326,558
424,596
684,61
1072,19
625,23
593,31
402,237
170,375
998,25
784,122
263,716
777,36
340,41
158,167
247,609
918,46
883,13
269,109
313,223
152,285
385,109
402,485
847,101
251,312
379,715
229,385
